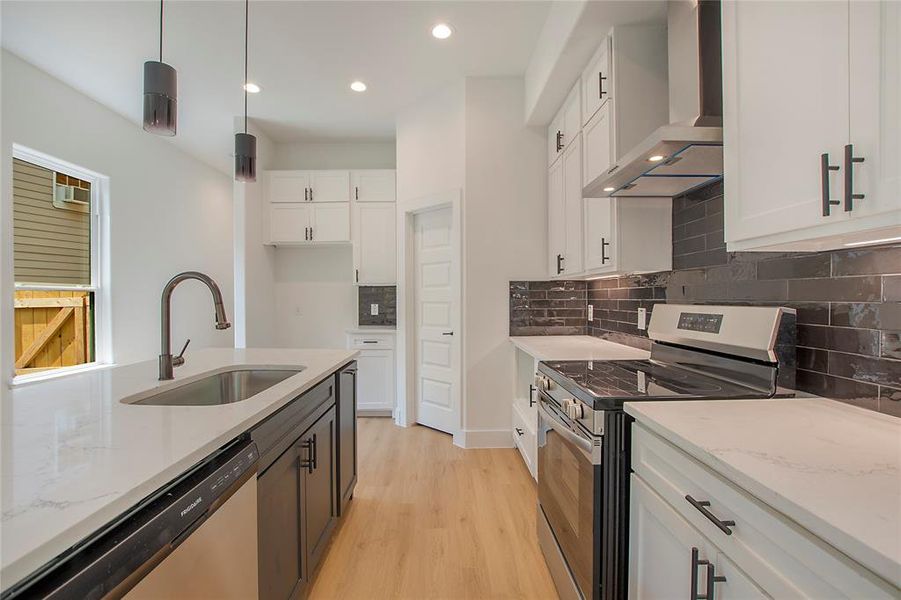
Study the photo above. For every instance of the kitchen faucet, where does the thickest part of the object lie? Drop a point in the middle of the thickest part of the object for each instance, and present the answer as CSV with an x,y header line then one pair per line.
x,y
167,361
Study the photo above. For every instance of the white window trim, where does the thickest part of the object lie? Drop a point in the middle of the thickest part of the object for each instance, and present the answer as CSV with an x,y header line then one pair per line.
x,y
100,264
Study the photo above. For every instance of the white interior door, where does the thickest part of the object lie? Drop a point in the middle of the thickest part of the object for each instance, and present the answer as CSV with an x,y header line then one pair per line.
x,y
436,313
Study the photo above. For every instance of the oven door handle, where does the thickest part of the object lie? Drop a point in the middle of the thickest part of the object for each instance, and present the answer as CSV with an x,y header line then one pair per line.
x,y
568,434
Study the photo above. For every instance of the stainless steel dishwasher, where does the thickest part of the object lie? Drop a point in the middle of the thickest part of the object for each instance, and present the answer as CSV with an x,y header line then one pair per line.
x,y
196,538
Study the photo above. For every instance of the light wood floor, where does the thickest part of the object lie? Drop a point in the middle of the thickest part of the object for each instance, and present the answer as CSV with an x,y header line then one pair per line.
x,y
430,520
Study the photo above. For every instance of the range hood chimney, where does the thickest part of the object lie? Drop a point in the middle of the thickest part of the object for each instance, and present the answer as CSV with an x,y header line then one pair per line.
x,y
692,143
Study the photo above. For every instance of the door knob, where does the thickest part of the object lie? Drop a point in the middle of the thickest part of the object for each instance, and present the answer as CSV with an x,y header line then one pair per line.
x,y
448,333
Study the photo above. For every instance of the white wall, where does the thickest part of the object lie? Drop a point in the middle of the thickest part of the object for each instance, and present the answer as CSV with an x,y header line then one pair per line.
x,y
334,155
505,238
471,137
315,299
169,212
254,320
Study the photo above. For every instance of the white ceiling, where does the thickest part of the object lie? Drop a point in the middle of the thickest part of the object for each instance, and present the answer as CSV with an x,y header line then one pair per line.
x,y
303,54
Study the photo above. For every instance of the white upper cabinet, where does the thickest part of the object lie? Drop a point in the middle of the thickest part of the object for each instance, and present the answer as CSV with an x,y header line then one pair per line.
x,y
329,186
566,125
374,243
572,198
875,51
308,223
330,222
374,185
628,235
288,186
309,186
808,88
556,220
597,138
597,82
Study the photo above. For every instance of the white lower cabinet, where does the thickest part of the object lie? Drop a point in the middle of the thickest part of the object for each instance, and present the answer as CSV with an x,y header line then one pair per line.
x,y
525,411
628,235
679,505
375,372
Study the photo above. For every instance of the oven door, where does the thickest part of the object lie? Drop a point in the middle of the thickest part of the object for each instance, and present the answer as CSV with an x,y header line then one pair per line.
x,y
569,486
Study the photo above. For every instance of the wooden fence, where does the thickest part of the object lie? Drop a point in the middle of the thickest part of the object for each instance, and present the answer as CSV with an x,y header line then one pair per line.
x,y
52,329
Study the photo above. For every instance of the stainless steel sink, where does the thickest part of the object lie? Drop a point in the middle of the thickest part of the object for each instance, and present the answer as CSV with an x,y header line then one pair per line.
x,y
222,388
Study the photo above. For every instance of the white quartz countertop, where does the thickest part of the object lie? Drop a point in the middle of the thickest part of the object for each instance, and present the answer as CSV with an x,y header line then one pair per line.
x,y
833,468
74,457
575,347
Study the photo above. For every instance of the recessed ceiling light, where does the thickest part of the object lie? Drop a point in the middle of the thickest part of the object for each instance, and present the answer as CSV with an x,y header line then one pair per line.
x,y
358,86
609,189
442,31
656,158
252,88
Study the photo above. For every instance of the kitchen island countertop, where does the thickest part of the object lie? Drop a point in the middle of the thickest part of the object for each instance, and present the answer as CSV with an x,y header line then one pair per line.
x,y
74,457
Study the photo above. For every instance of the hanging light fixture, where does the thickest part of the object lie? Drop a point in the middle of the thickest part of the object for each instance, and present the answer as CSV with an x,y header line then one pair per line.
x,y
160,93
245,144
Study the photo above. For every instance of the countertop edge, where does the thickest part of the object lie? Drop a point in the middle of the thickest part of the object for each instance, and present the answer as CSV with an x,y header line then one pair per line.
x,y
34,560
878,563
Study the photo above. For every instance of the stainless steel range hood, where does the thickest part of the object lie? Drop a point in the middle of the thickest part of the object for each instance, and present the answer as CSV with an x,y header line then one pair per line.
x,y
687,153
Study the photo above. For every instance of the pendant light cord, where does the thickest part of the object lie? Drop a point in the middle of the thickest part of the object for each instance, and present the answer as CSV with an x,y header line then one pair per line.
x,y
246,29
161,30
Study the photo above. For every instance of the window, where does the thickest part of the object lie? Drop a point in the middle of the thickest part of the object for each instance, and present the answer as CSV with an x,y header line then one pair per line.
x,y
57,265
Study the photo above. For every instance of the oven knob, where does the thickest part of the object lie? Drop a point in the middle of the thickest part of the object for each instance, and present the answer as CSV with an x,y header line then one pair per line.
x,y
543,383
574,410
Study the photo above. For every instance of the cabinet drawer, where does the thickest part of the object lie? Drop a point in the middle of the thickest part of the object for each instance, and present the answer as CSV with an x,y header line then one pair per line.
x,y
370,341
526,439
780,556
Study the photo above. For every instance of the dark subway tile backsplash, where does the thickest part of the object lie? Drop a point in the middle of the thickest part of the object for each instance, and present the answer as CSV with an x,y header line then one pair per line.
x,y
548,308
848,302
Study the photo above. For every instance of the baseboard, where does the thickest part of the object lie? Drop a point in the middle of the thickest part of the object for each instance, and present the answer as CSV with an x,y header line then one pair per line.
x,y
484,438
374,412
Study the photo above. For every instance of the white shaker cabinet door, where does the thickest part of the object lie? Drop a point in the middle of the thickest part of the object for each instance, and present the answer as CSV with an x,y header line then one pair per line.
x,y
330,186
288,186
735,584
375,185
786,77
597,82
289,223
660,548
875,96
556,220
600,234
374,243
330,222
597,145
572,193
375,380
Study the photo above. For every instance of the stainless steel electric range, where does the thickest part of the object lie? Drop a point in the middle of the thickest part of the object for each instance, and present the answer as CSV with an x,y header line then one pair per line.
x,y
697,353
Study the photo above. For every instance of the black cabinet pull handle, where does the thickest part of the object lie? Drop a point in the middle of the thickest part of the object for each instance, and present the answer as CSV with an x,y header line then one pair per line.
x,y
356,192
307,463
604,244
702,508
370,341
357,274
695,563
559,264
825,167
315,454
601,80
311,194
519,431
850,196
559,141
311,233
531,395
712,580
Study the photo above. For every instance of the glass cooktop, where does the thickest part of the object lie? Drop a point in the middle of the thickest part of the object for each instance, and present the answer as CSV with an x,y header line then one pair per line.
x,y
617,381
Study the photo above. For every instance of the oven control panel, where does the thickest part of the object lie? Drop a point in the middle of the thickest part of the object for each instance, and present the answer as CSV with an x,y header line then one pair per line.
x,y
703,322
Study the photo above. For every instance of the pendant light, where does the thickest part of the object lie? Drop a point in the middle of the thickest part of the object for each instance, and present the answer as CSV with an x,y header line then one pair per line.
x,y
160,93
245,143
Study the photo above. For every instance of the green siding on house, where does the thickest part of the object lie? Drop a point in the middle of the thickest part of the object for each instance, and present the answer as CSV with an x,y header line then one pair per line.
x,y
50,245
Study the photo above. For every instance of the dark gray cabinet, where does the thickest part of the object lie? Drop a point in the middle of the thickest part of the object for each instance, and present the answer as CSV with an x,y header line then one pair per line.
x,y
297,490
347,435
319,506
